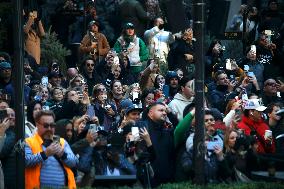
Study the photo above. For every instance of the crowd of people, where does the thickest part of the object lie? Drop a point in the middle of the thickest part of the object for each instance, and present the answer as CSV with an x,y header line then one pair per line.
x,y
118,113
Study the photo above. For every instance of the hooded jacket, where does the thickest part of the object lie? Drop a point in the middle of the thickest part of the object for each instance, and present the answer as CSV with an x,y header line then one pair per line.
x,y
178,104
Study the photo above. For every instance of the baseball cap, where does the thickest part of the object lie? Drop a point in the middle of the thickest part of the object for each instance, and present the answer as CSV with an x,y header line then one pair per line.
x,y
5,65
254,104
132,108
129,26
94,22
125,103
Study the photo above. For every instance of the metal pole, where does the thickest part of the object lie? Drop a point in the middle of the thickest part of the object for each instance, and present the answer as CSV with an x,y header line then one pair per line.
x,y
18,83
198,141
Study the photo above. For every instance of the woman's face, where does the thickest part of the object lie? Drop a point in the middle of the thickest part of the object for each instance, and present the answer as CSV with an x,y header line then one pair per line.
x,y
232,139
116,72
117,88
77,81
149,99
102,97
161,80
69,130
36,109
209,123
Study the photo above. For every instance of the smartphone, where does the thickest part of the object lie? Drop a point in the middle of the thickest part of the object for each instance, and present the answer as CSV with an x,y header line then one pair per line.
x,y
44,81
90,111
246,68
232,78
228,64
3,115
45,107
93,128
135,133
253,48
135,95
250,74
56,139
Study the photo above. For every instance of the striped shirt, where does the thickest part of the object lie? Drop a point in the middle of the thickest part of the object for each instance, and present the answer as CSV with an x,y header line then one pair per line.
x,y
51,172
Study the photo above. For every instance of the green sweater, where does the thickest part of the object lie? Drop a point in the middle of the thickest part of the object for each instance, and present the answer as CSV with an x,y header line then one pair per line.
x,y
182,127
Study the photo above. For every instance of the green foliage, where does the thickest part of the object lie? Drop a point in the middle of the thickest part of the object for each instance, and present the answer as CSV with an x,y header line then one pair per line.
x,y
52,49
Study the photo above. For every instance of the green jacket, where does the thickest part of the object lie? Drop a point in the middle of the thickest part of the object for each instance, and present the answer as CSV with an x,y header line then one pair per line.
x,y
143,50
182,127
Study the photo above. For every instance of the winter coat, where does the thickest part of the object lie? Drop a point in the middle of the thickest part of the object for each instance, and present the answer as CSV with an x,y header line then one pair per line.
x,y
102,45
8,158
260,126
32,38
178,104
163,143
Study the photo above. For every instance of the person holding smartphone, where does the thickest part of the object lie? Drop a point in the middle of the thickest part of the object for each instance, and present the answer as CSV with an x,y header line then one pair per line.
x,y
34,31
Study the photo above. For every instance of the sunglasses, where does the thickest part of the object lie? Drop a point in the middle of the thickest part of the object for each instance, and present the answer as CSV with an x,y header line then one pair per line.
x,y
90,65
47,125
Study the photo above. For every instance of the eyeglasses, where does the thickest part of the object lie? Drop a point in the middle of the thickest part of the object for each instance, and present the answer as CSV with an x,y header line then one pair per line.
x,y
47,125
211,120
90,65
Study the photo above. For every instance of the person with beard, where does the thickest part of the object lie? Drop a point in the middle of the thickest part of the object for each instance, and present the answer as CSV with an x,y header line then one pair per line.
x,y
7,154
133,47
94,43
158,40
184,97
270,90
161,135
34,31
223,92
172,80
47,155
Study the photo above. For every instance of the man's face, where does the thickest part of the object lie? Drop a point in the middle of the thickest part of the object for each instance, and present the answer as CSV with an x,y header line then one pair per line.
x,y
174,82
255,115
133,115
130,31
11,116
273,115
46,127
5,73
158,113
55,81
89,66
222,79
270,87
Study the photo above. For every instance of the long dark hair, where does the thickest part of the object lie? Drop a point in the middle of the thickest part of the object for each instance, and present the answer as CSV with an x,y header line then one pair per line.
x,y
30,110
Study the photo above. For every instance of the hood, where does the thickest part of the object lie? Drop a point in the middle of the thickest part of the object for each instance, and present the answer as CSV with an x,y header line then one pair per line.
x,y
180,97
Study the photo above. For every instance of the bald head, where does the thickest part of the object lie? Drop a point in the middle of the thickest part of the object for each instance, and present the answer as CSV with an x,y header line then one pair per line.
x,y
71,73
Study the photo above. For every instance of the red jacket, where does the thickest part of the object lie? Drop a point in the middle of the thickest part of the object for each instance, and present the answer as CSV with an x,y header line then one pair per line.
x,y
260,127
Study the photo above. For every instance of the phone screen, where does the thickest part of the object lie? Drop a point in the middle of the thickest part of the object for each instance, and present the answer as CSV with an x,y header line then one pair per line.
x,y
44,81
135,133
